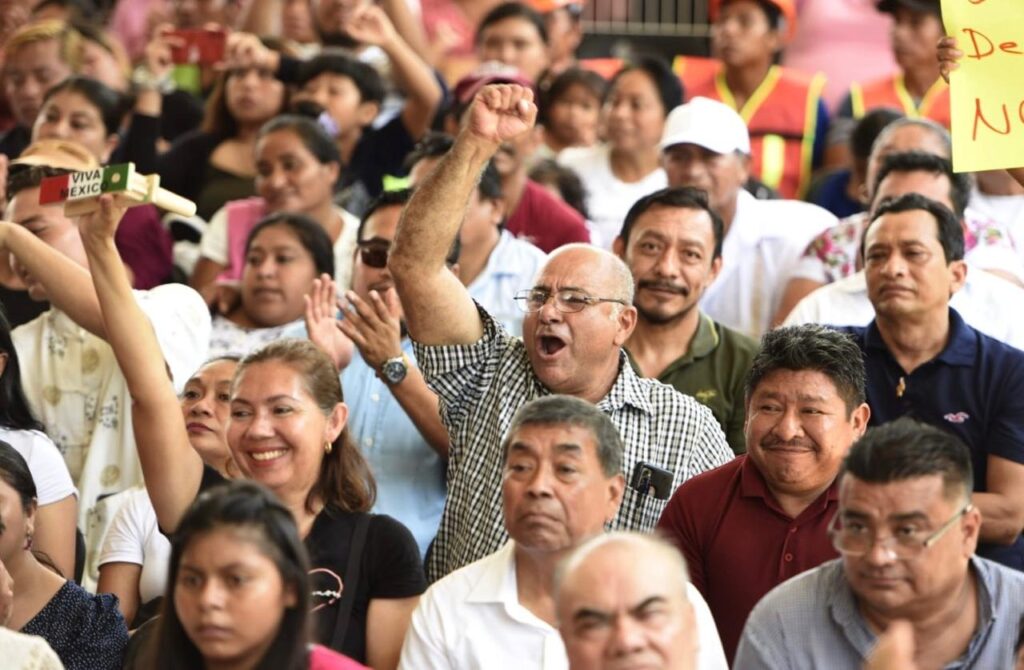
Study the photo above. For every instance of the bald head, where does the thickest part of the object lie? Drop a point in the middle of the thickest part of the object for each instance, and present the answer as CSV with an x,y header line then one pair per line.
x,y
610,274
622,599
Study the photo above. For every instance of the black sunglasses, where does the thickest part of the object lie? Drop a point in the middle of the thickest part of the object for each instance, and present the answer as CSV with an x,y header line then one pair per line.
x,y
374,253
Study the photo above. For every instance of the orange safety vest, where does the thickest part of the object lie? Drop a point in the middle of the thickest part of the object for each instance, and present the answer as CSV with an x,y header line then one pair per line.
x,y
782,117
892,92
695,71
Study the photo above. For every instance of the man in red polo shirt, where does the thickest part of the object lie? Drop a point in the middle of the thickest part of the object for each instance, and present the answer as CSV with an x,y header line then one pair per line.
x,y
762,518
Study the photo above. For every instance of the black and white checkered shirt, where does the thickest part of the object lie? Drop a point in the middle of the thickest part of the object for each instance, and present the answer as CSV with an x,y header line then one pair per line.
x,y
482,385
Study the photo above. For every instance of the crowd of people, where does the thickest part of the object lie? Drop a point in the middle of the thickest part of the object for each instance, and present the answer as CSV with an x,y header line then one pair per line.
x,y
481,354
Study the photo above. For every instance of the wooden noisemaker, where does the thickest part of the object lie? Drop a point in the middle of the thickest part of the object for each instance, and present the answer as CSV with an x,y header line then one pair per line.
x,y
80,191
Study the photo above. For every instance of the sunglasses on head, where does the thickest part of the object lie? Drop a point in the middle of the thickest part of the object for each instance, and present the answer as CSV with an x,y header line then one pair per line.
x,y
374,253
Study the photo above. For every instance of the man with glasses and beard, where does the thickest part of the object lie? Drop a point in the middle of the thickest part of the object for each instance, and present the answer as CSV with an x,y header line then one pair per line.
x,y
906,531
672,242
393,416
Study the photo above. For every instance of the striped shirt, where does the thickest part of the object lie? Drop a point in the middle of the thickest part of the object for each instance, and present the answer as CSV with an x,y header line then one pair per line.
x,y
482,385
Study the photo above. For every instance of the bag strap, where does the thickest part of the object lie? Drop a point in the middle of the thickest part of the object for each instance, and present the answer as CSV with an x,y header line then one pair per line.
x,y
348,593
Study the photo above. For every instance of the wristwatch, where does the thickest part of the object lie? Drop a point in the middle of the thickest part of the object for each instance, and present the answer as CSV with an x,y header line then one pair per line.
x,y
394,369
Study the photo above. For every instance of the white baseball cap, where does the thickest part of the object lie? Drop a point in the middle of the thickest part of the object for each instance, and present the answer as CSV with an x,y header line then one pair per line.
x,y
706,123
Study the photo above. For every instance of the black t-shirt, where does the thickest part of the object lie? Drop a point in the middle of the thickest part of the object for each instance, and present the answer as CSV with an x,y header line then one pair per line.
x,y
390,568
379,152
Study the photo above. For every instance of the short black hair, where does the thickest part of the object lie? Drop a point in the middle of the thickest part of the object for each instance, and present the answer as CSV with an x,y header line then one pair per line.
x,y
331,61
594,83
666,82
681,197
905,449
868,128
22,177
921,161
436,145
812,347
554,410
950,233
512,10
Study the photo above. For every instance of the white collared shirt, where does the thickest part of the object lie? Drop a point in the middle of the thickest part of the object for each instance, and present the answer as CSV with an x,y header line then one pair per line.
x,y
986,302
511,267
472,619
760,251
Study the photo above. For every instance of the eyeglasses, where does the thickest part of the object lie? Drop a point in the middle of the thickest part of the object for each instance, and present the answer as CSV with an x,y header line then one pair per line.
x,y
566,301
857,539
374,253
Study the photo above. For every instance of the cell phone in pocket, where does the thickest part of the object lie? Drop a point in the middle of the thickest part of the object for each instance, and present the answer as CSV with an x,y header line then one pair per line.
x,y
649,479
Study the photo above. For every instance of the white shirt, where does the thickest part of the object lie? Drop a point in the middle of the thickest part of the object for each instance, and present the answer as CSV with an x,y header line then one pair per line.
x,y
511,267
986,302
75,388
472,619
49,472
134,537
214,244
760,251
227,338
608,197
27,652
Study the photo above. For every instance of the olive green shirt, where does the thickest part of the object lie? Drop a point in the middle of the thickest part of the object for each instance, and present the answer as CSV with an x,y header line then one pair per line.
x,y
714,371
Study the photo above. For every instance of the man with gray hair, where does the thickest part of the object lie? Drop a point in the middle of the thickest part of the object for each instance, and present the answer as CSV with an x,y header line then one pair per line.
x,y
624,600
562,482
579,313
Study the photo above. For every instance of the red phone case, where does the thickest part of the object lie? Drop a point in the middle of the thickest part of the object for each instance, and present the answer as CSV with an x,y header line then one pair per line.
x,y
201,47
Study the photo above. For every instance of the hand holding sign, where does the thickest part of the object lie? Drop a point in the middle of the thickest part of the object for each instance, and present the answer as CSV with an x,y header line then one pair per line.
x,y
80,191
985,68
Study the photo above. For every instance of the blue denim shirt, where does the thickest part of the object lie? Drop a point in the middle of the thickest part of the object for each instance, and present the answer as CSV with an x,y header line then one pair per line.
x,y
410,475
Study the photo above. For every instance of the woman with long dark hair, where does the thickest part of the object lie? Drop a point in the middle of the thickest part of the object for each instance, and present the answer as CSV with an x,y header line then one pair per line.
x,y
238,588
86,631
287,431
57,497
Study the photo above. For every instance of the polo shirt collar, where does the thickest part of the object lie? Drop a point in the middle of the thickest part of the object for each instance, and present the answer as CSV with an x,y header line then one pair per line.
x,y
842,606
704,341
753,485
960,348
628,389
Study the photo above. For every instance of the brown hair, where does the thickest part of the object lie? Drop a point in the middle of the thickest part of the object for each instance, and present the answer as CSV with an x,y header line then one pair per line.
x,y
217,119
345,479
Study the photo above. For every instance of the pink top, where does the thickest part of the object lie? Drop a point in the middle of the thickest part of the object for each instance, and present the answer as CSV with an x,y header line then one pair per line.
x,y
322,658
243,215
848,40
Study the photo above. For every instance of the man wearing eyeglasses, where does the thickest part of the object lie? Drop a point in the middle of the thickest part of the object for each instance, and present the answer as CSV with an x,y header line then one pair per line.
x,y
579,313
906,531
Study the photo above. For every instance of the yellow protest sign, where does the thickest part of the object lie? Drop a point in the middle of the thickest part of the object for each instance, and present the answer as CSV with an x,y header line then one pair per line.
x,y
987,91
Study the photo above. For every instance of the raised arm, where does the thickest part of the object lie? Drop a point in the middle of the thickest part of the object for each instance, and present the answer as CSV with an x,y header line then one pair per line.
x,y
172,469
438,309
371,25
66,283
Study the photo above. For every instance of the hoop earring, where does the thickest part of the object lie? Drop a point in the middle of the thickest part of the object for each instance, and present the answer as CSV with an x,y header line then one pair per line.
x,y
328,447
